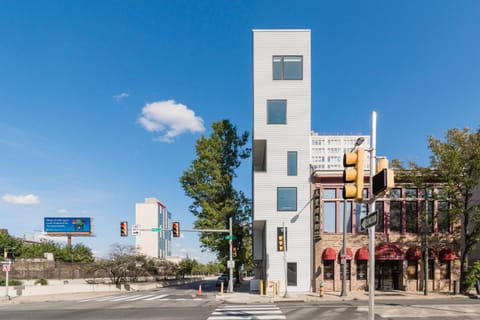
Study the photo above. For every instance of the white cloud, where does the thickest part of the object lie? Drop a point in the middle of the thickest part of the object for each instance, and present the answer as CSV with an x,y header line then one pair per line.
x,y
63,211
172,117
120,96
28,199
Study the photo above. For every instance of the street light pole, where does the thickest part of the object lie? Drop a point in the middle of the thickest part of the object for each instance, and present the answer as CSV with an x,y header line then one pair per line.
x,y
343,258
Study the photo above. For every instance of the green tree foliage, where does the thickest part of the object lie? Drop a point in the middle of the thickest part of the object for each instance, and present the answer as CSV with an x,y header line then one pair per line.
x,y
25,250
209,183
455,163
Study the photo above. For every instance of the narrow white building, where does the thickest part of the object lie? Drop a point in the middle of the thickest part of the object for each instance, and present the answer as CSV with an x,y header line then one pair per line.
x,y
281,158
153,214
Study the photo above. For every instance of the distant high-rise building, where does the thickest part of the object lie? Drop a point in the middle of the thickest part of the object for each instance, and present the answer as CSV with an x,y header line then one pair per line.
x,y
153,214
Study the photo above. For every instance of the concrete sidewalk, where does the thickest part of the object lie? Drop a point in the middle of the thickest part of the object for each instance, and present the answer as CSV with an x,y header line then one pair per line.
x,y
242,295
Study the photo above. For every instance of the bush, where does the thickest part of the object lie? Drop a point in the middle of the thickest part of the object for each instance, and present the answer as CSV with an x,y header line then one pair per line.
x,y
473,274
11,282
41,282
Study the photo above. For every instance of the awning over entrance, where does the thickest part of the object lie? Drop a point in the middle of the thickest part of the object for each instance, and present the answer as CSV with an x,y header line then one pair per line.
x,y
446,254
388,251
349,254
361,254
413,254
329,254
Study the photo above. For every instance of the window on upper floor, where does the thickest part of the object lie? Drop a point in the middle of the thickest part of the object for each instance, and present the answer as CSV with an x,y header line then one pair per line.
x,y
260,155
287,67
292,163
286,199
276,111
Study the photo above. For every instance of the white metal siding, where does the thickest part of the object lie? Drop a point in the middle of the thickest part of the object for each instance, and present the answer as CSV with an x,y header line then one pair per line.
x,y
294,136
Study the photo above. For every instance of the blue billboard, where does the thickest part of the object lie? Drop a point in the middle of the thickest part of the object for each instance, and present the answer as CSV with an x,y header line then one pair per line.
x,y
67,225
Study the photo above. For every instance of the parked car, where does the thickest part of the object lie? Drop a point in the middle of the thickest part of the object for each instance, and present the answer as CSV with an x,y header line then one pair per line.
x,y
222,279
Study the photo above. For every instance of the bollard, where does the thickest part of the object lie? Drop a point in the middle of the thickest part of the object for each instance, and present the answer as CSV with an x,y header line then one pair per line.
x,y
274,289
221,288
261,287
454,287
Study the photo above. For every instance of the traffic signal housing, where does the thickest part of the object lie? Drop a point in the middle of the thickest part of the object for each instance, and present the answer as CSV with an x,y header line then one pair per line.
x,y
353,174
176,229
281,239
234,252
124,229
384,179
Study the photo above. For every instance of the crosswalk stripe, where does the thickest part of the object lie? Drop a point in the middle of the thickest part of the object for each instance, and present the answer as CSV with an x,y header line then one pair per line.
x,y
138,298
247,312
124,298
157,297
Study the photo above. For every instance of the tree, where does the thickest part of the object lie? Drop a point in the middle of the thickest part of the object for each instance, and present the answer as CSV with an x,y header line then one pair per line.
x,y
457,161
209,183
122,264
455,164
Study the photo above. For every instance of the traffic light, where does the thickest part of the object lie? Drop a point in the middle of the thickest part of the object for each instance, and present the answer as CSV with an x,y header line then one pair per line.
x,y
124,229
281,239
234,252
384,179
353,174
176,229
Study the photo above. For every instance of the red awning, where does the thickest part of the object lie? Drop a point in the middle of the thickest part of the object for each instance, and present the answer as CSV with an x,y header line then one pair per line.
x,y
388,251
361,254
329,254
446,254
349,254
413,254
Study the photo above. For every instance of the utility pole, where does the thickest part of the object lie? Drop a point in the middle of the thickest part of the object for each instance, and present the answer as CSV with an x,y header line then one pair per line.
x,y
425,233
371,230
230,262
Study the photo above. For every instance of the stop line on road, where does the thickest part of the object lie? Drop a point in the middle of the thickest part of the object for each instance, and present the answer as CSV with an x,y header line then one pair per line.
x,y
246,312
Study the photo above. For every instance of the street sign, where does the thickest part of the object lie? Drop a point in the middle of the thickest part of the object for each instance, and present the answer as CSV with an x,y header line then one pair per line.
x,y
156,229
6,267
230,264
369,221
232,237
135,229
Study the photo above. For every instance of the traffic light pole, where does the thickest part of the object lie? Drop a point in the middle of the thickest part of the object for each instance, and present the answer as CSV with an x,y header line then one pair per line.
x,y
371,230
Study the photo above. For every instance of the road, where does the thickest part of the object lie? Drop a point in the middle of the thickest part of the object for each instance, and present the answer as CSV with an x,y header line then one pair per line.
x,y
183,302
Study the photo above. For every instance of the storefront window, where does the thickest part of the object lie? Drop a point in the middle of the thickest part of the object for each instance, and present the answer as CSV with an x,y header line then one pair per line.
x,y
328,269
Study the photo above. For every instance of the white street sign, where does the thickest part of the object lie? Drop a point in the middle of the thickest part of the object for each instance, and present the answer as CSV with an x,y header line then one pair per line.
x,y
369,221
135,229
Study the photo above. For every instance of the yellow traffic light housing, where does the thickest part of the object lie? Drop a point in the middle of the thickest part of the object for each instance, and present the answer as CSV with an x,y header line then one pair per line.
x,y
124,229
384,179
281,244
353,174
176,229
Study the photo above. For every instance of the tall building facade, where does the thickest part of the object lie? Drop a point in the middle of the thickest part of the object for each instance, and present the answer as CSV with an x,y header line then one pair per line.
x,y
153,214
298,205
281,157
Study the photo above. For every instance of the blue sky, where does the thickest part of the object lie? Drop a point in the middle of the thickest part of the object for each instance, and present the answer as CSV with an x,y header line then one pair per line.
x,y
101,102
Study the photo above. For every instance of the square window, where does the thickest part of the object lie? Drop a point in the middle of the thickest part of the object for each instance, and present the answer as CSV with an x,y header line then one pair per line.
x,y
276,111
287,68
286,199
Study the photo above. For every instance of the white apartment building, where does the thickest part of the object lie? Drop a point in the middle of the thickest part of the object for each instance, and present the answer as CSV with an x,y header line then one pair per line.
x,y
153,214
328,150
281,158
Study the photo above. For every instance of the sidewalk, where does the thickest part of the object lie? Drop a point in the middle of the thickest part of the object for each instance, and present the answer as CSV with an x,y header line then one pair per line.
x,y
242,294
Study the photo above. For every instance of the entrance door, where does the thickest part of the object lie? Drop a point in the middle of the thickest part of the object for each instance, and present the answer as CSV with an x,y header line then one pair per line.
x,y
388,274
